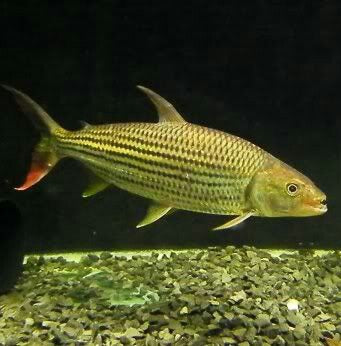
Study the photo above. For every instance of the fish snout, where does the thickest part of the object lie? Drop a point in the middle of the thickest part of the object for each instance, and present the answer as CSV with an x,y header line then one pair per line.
x,y
319,205
323,204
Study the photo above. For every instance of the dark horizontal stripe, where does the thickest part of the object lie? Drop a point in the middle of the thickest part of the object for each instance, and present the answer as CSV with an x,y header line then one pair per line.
x,y
151,162
113,160
129,179
156,144
186,198
166,156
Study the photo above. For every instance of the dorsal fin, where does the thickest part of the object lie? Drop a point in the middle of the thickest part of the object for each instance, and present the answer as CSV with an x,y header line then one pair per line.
x,y
165,110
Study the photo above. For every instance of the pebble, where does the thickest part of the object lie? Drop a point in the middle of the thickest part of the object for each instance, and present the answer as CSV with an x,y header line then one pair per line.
x,y
29,321
150,340
239,333
184,311
293,304
294,319
283,327
251,254
105,255
233,296
336,308
132,333
70,332
299,333
328,327
279,341
271,331
262,320
93,257
301,343
228,340
166,335
250,334
238,296
124,340
323,317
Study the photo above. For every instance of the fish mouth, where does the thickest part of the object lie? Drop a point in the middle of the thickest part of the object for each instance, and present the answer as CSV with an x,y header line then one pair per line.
x,y
320,207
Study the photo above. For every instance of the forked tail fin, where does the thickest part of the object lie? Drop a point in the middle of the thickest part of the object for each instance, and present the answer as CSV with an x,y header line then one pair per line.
x,y
44,156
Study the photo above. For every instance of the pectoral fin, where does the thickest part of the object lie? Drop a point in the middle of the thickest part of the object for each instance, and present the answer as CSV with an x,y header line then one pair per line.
x,y
154,213
96,185
234,221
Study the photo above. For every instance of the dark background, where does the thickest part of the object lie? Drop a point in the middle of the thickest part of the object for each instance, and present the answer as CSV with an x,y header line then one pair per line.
x,y
268,71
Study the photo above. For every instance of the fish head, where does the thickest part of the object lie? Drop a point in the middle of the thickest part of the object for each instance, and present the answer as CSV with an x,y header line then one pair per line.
x,y
280,190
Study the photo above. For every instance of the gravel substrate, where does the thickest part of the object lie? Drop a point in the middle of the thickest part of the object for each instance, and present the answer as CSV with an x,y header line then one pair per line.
x,y
219,296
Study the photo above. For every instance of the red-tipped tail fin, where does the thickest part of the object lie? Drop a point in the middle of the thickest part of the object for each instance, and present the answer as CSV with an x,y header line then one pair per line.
x,y
42,163
44,156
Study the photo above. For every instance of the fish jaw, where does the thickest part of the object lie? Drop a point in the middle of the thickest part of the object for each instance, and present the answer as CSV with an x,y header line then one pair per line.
x,y
320,210
317,206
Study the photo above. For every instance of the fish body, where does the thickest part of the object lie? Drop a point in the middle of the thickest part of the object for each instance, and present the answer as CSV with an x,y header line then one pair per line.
x,y
177,165
186,166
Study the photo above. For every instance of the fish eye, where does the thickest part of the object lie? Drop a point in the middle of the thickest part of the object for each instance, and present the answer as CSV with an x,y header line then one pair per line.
x,y
292,189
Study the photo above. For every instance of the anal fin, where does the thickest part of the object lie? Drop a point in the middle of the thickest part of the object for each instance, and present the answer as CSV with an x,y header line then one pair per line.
x,y
96,185
155,212
236,221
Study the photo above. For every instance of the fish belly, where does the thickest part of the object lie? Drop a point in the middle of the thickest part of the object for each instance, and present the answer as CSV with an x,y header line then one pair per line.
x,y
182,165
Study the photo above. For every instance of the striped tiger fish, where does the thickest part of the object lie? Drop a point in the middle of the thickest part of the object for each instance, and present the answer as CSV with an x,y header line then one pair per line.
x,y
175,164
